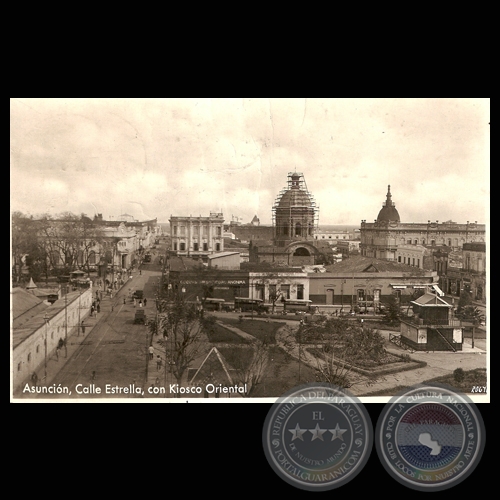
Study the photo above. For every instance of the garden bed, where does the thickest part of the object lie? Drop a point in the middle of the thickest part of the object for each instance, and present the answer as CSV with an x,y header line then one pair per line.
x,y
390,363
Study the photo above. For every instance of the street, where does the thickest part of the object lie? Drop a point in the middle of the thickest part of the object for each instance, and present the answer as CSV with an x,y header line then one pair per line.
x,y
110,361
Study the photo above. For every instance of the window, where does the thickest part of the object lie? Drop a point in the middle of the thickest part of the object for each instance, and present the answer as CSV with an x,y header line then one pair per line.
x,y
217,247
175,230
272,292
182,246
399,258
300,291
175,246
205,231
195,247
409,242
433,242
259,292
183,230
285,291
205,247
416,242
418,262
219,231
361,295
413,261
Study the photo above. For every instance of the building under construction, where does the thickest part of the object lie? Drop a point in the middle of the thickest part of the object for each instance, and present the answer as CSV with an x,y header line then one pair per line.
x,y
295,218
295,214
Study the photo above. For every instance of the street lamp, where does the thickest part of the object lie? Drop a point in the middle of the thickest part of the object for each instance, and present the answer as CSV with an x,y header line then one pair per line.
x,y
45,317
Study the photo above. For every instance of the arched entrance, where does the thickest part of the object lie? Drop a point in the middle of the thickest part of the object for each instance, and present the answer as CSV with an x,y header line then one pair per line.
x,y
302,256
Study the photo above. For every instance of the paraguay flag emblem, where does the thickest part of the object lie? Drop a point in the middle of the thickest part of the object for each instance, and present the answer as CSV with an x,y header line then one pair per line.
x,y
430,436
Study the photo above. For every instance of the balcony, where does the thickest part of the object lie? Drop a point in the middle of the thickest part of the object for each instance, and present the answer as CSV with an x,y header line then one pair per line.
x,y
433,323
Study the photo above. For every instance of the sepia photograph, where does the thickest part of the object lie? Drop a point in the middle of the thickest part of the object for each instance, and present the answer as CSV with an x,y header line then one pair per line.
x,y
232,249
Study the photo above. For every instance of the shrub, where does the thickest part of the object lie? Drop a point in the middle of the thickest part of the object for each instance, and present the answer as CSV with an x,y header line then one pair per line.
x,y
458,375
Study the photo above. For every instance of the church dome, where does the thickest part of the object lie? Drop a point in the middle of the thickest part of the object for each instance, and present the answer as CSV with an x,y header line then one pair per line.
x,y
388,213
295,196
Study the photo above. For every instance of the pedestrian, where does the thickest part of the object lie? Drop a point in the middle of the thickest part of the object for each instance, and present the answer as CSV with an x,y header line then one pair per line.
x,y
140,302
145,301
151,352
158,363
124,301
92,377
83,327
135,301
57,352
98,309
34,378
140,271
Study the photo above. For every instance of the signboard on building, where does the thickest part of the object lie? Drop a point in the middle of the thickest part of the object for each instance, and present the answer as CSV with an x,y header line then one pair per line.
x,y
455,260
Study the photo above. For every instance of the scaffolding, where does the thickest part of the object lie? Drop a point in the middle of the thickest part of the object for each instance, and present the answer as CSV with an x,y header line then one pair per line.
x,y
299,213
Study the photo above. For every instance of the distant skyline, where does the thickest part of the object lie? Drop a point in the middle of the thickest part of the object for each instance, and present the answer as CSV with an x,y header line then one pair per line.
x,y
153,158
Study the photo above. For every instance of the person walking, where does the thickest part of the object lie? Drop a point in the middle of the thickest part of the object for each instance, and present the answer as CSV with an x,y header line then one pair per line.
x,y
98,309
158,362
140,302
83,327
145,301
151,352
124,301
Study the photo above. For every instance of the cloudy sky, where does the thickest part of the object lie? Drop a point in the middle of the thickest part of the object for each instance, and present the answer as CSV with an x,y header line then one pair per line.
x,y
153,158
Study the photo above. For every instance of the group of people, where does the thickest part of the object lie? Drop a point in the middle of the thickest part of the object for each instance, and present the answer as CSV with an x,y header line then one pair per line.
x,y
141,302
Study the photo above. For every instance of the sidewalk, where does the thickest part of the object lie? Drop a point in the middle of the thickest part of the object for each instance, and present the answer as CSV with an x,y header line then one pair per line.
x,y
75,340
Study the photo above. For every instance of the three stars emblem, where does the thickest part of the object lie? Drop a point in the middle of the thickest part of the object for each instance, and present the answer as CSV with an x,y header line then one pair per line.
x,y
317,433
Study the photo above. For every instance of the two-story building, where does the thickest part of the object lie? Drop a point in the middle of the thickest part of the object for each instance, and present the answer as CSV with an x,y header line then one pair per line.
x,y
197,236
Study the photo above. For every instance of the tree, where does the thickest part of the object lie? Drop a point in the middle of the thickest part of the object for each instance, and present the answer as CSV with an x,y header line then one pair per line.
x,y
392,311
26,247
464,301
181,327
252,372
70,238
343,344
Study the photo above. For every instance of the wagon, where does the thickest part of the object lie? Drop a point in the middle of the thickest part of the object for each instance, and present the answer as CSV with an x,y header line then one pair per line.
x,y
140,316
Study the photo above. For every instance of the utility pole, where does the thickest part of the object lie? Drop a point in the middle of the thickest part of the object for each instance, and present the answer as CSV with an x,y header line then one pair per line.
x,y
66,324
45,344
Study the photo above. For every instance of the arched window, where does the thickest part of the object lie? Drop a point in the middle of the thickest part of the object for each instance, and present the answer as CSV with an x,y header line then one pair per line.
x,y
298,229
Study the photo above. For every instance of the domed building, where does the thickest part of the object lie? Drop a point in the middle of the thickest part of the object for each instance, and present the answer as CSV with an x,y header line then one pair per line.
x,y
388,213
410,243
294,211
295,217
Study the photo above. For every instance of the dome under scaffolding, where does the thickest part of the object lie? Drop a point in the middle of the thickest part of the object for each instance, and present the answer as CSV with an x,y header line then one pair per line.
x,y
295,213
